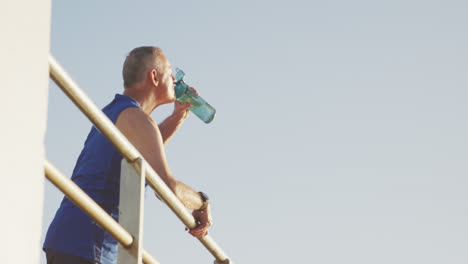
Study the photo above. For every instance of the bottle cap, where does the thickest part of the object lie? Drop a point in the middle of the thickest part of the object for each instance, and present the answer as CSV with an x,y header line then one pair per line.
x,y
179,76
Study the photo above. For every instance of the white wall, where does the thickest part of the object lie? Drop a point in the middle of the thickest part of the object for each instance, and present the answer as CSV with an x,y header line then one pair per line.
x,y
24,48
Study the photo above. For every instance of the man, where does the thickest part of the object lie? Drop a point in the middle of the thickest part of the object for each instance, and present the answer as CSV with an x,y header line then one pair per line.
x,y
72,236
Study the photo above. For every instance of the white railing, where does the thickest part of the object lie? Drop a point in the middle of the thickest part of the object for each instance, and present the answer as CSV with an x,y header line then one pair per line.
x,y
134,170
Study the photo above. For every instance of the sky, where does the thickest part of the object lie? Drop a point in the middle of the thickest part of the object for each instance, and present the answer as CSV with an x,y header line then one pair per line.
x,y
341,126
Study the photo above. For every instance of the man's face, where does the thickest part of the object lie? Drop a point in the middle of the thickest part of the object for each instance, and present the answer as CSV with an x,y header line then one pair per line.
x,y
165,88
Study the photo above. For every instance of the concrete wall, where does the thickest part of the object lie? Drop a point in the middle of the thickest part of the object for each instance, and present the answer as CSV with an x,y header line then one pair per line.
x,y
24,48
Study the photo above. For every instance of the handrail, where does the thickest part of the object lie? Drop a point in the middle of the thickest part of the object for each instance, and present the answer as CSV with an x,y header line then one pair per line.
x,y
129,152
91,208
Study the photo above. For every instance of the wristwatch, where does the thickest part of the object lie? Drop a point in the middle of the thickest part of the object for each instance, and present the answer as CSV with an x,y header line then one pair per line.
x,y
206,201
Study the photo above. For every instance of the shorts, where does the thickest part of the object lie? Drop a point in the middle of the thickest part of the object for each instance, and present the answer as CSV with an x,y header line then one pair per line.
x,y
55,257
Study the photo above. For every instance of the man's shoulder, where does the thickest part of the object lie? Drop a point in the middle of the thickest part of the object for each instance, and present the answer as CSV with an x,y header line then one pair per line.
x,y
141,130
134,118
134,114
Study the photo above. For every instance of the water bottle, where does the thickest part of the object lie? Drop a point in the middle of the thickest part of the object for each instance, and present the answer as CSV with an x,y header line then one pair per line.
x,y
185,94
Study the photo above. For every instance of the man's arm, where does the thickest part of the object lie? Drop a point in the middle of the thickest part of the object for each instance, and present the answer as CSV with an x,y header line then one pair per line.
x,y
144,134
170,125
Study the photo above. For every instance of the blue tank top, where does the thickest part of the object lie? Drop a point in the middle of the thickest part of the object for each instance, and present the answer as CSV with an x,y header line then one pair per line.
x,y
97,172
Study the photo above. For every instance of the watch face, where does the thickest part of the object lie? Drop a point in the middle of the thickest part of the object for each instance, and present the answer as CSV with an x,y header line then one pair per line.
x,y
204,196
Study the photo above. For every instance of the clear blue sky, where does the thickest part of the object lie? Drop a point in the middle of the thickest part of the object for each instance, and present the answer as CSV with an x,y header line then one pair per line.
x,y
341,129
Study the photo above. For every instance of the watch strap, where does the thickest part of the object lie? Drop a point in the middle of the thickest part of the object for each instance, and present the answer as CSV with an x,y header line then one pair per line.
x,y
206,201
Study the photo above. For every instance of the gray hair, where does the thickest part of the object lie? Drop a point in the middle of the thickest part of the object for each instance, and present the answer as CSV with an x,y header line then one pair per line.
x,y
138,61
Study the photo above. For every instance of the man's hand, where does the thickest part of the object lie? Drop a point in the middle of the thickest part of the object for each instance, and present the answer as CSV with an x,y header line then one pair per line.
x,y
203,220
181,111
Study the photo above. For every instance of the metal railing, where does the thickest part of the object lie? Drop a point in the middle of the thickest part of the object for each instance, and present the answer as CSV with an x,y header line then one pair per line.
x,y
91,208
131,154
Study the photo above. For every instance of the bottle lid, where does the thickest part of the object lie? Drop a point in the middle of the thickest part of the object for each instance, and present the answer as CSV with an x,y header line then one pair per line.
x,y
179,74
180,87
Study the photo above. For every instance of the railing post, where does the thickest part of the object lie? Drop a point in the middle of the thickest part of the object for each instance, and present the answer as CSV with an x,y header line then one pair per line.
x,y
132,190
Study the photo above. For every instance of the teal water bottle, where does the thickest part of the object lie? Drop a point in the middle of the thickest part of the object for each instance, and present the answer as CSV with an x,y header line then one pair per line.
x,y
185,94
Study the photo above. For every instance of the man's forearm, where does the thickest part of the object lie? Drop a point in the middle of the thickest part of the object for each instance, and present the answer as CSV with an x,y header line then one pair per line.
x,y
189,197
169,126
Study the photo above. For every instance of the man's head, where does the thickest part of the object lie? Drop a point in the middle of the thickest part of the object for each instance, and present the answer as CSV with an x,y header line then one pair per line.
x,y
149,68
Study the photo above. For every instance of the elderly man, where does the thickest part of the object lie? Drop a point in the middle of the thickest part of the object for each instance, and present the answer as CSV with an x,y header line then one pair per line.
x,y
72,236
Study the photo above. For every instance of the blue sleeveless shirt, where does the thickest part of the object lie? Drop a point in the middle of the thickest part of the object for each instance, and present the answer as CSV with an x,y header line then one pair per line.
x,y
97,172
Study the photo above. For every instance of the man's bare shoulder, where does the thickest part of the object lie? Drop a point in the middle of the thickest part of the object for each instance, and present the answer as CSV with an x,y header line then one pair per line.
x,y
135,116
141,130
133,120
